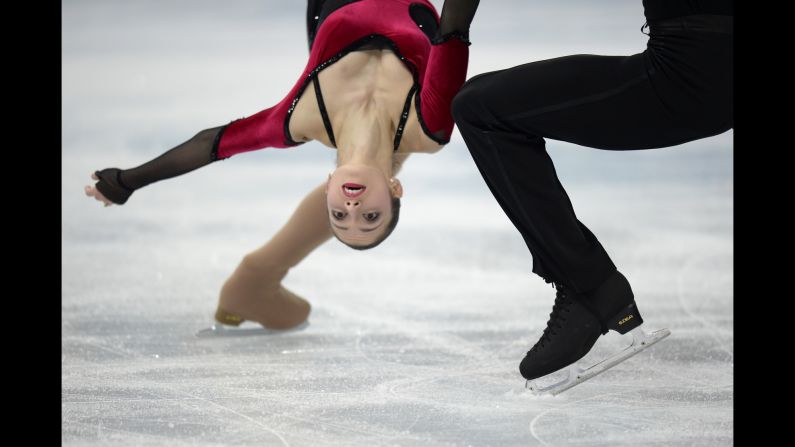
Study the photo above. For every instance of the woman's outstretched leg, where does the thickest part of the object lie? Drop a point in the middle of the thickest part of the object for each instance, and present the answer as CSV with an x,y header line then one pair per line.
x,y
254,291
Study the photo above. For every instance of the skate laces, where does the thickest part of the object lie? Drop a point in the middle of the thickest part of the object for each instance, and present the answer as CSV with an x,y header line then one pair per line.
x,y
557,316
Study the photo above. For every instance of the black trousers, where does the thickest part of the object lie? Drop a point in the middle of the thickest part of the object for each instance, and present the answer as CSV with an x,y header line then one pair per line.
x,y
678,90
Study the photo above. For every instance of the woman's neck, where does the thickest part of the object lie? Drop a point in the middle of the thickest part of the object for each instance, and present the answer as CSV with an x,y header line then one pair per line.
x,y
365,138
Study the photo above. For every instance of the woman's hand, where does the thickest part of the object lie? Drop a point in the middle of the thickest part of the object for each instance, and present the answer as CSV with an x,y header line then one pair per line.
x,y
92,191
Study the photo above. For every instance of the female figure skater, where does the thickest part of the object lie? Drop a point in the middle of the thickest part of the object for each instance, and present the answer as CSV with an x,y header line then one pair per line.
x,y
389,70
678,90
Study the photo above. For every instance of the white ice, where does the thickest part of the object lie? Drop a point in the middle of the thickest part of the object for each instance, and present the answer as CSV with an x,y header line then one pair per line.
x,y
417,342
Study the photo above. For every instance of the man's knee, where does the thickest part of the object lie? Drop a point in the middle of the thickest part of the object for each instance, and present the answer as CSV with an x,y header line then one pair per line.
x,y
468,107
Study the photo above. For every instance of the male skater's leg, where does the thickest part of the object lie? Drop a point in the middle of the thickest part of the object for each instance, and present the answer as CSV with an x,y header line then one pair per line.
x,y
678,90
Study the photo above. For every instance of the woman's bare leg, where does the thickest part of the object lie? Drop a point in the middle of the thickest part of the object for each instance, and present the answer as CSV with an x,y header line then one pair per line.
x,y
254,291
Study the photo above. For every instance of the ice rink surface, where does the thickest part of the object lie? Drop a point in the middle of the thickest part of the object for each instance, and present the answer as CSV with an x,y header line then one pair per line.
x,y
416,342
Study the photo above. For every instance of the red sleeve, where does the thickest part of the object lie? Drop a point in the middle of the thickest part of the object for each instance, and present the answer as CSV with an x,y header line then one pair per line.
x,y
258,131
445,74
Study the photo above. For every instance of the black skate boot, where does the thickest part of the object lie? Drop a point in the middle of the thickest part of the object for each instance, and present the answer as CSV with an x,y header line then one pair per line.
x,y
577,321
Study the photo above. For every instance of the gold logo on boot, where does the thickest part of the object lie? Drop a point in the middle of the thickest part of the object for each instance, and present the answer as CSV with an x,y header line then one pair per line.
x,y
624,320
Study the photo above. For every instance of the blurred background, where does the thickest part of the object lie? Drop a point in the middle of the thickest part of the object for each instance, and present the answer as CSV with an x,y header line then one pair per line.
x,y
416,342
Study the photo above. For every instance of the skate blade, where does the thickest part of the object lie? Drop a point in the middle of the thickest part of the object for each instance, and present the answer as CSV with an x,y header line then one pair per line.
x,y
224,330
575,374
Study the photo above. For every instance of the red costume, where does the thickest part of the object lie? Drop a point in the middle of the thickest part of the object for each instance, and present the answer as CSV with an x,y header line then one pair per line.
x,y
439,71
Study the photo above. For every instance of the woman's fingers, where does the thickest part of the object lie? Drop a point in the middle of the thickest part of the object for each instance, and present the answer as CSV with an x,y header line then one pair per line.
x,y
93,192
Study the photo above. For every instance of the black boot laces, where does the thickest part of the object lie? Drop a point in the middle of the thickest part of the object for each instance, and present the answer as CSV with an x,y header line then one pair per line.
x,y
556,317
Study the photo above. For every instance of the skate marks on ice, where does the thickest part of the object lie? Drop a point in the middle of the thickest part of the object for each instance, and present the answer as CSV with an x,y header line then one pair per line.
x,y
133,402
163,428
429,357
487,388
417,373
383,378
467,376
230,393
658,416
352,379
173,417
692,291
246,329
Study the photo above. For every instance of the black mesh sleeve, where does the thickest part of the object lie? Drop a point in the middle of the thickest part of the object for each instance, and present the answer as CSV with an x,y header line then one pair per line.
x,y
117,184
456,17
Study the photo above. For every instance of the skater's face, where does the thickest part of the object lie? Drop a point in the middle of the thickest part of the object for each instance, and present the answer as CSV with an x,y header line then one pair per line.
x,y
359,200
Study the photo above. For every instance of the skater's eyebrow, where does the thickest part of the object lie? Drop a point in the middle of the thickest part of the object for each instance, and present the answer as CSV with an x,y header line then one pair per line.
x,y
371,229
366,230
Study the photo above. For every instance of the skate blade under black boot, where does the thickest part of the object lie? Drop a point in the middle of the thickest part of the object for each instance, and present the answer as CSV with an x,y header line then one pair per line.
x,y
576,374
627,320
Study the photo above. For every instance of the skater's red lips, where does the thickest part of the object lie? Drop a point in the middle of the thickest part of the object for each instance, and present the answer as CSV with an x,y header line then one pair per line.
x,y
353,190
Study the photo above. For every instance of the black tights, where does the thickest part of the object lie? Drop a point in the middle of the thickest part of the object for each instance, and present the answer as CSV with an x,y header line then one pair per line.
x,y
678,90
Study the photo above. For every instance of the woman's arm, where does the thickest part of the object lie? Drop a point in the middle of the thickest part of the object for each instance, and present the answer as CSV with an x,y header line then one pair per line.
x,y
261,130
456,17
446,70
116,185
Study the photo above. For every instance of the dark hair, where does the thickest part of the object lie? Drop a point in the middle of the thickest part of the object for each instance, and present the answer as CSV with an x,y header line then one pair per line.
x,y
389,228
